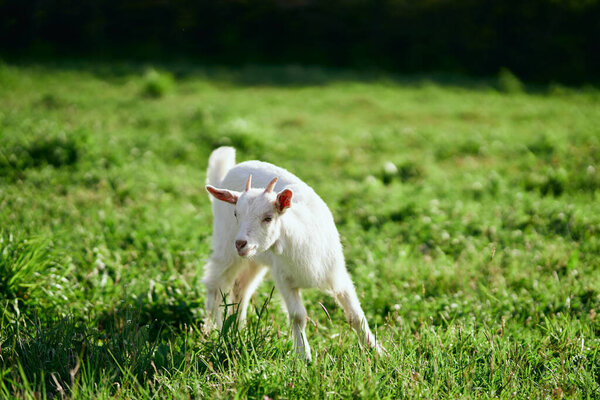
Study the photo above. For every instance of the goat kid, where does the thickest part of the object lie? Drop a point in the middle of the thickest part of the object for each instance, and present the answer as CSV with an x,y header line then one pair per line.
x,y
283,225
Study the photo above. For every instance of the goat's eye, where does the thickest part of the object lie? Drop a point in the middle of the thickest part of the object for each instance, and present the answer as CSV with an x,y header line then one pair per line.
x,y
234,213
267,219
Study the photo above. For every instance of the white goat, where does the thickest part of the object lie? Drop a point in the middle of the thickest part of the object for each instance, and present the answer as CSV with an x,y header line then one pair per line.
x,y
284,225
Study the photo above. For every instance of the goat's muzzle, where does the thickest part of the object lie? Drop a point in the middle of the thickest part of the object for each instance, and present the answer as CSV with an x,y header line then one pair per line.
x,y
243,248
240,244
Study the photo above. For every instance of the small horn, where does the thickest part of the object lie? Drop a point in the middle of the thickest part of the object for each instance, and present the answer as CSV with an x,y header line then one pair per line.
x,y
271,185
249,183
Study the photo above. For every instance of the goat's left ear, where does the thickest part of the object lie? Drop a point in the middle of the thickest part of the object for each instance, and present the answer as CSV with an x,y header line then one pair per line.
x,y
284,200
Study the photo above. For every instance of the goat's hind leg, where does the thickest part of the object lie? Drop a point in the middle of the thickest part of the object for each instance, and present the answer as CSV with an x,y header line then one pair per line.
x,y
345,294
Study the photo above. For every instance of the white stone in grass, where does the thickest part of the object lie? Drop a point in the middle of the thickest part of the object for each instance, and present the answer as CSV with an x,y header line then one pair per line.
x,y
477,186
371,180
390,168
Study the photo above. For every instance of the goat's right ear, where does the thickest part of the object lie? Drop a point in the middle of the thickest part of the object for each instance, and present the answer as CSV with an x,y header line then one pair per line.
x,y
223,194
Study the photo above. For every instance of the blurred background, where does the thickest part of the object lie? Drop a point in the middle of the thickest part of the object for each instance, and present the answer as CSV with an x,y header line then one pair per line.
x,y
538,40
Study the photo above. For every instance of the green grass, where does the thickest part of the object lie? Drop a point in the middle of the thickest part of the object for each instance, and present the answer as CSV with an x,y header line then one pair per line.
x,y
477,259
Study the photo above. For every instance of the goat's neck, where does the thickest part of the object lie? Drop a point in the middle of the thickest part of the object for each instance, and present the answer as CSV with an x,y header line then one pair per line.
x,y
293,235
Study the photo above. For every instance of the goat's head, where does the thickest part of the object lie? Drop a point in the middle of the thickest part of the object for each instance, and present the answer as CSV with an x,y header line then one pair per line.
x,y
258,213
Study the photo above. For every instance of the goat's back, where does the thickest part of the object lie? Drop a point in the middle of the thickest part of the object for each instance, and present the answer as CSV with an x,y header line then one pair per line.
x,y
262,173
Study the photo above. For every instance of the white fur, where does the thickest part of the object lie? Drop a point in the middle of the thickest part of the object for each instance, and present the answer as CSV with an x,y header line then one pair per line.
x,y
300,244
221,160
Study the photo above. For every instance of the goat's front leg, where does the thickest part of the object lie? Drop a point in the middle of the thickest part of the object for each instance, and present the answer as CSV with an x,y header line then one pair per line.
x,y
297,314
245,285
218,278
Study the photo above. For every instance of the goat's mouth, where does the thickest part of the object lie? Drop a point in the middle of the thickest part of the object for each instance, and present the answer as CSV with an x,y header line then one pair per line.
x,y
247,251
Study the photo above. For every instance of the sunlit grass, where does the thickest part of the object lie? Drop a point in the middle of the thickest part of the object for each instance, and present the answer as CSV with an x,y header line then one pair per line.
x,y
475,254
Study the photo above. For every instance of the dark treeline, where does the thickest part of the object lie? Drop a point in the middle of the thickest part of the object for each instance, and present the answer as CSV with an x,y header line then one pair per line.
x,y
539,40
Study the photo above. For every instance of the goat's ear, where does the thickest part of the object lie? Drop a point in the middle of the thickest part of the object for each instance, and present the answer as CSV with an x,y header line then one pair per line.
x,y
284,200
223,194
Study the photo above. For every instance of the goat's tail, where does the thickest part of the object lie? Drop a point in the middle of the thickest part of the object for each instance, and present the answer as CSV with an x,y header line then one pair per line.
x,y
220,162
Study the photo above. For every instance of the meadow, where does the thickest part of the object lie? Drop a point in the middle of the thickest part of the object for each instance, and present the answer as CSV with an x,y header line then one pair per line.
x,y
469,211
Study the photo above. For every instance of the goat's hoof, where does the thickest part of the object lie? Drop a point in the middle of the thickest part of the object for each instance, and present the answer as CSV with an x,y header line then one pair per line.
x,y
381,351
207,327
304,356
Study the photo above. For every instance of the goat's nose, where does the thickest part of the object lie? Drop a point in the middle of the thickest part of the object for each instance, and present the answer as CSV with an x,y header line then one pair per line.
x,y
240,244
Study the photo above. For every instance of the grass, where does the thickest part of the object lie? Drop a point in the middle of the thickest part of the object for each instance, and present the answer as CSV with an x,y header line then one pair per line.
x,y
475,255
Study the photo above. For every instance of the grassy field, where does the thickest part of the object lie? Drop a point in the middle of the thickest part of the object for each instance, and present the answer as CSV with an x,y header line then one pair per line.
x,y
476,255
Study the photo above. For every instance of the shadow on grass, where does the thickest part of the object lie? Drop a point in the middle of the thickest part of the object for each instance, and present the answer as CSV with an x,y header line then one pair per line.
x,y
287,75
124,348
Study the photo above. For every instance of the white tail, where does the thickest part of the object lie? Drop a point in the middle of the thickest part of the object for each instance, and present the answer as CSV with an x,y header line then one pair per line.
x,y
220,162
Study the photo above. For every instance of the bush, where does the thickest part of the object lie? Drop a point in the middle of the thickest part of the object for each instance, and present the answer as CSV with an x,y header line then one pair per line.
x,y
20,154
508,82
157,84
